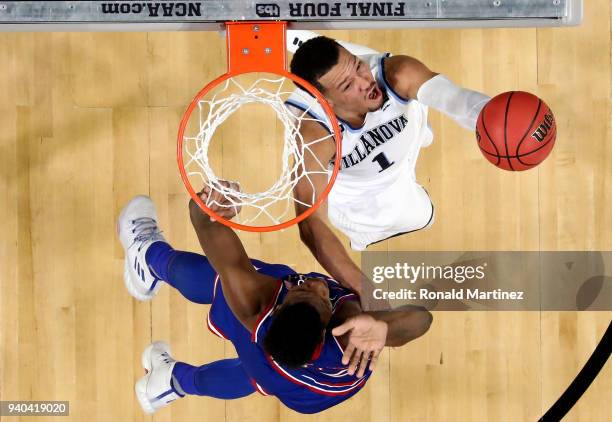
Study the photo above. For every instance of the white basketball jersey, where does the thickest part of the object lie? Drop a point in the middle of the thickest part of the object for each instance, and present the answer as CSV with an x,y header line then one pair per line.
x,y
376,156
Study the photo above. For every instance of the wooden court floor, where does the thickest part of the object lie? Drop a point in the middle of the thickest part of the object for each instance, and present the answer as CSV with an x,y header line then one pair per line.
x,y
88,120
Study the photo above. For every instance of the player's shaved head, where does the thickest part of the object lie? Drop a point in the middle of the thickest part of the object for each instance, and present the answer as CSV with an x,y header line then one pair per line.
x,y
294,335
298,325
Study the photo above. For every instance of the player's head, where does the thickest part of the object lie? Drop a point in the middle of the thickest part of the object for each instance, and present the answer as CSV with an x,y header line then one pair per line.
x,y
345,80
298,325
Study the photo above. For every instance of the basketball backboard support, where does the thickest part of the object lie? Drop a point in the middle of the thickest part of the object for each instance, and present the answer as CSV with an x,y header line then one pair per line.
x,y
210,14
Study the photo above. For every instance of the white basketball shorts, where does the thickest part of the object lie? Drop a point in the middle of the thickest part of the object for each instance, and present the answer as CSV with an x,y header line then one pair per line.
x,y
401,207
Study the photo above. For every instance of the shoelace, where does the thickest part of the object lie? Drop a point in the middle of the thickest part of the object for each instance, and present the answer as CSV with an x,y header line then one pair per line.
x,y
167,357
145,229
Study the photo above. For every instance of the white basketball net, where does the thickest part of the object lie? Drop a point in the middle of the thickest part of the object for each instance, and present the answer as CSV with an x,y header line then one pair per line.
x,y
228,98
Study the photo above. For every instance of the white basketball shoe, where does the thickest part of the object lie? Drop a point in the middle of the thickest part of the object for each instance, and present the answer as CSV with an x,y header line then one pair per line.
x,y
137,228
154,390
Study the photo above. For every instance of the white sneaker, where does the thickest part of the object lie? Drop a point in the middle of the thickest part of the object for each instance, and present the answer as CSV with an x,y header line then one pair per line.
x,y
154,390
137,228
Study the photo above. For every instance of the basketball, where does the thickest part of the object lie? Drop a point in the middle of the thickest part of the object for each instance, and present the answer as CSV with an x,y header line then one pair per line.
x,y
516,130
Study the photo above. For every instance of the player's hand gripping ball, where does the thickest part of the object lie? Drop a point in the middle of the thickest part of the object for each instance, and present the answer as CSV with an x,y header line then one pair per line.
x,y
516,130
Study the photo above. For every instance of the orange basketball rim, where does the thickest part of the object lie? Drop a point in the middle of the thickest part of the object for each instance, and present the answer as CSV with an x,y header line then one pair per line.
x,y
255,46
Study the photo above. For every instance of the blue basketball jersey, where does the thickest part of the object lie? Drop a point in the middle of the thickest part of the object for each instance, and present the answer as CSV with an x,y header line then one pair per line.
x,y
316,386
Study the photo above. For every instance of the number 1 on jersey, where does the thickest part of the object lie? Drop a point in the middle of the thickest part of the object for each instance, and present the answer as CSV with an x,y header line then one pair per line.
x,y
383,162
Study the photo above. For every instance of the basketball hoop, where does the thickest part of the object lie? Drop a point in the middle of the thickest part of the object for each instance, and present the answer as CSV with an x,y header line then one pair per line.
x,y
255,47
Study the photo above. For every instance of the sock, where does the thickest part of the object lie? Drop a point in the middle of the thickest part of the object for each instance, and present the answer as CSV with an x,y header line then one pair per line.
x,y
184,375
158,257
176,386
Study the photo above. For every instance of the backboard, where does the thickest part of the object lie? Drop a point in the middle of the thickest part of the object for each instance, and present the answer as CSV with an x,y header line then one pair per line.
x,y
209,14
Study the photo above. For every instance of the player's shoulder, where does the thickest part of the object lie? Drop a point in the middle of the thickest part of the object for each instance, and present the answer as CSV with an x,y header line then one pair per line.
x,y
372,60
402,64
317,137
313,121
406,74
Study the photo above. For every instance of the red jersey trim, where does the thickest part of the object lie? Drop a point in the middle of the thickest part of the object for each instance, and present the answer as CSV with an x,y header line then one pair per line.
x,y
315,389
214,329
267,312
259,388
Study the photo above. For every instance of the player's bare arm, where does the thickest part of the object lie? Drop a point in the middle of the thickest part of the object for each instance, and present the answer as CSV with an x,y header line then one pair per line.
x,y
412,79
247,292
363,335
405,323
406,75
314,231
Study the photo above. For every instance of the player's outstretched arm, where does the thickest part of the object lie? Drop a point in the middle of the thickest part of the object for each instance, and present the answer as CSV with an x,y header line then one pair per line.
x,y
247,292
364,334
405,323
314,231
412,79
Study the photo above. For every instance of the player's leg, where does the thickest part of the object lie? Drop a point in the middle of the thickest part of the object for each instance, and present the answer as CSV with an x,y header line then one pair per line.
x,y
223,379
150,260
190,273
168,380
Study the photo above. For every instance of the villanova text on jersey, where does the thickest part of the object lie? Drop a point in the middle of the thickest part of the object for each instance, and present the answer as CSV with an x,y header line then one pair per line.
x,y
372,139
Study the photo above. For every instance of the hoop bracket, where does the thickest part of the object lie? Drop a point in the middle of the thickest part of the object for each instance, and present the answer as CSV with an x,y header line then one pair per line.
x,y
256,47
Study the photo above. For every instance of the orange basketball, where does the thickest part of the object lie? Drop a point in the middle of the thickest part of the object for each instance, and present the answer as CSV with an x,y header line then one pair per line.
x,y
516,130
